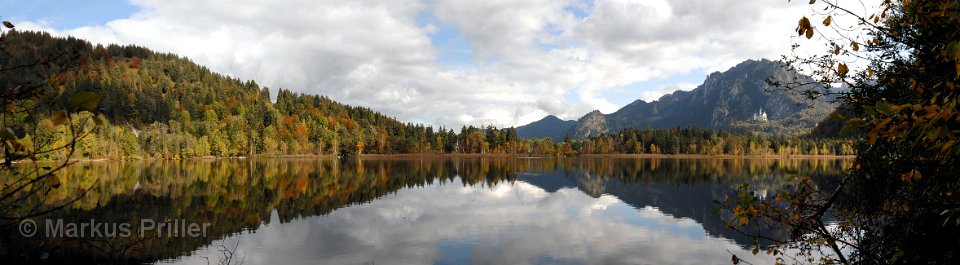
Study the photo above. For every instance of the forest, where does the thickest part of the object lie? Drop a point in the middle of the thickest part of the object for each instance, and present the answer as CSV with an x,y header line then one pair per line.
x,y
162,106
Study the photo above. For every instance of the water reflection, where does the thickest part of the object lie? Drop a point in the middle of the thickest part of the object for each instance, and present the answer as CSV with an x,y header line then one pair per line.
x,y
416,211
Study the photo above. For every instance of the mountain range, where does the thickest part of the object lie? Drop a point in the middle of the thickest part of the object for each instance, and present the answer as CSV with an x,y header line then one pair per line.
x,y
746,98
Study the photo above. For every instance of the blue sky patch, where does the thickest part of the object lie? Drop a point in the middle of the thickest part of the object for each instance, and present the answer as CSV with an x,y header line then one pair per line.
x,y
455,252
453,49
67,14
580,11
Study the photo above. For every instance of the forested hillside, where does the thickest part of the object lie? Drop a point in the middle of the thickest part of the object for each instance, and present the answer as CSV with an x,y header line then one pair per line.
x,y
154,105
162,105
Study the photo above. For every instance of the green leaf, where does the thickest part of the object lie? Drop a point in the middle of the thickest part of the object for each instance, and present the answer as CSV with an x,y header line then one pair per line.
x,y
933,134
847,128
883,107
8,24
755,251
836,116
953,49
85,100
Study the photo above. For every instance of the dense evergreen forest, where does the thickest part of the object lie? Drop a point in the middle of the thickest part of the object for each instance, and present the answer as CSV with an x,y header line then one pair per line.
x,y
155,105
708,142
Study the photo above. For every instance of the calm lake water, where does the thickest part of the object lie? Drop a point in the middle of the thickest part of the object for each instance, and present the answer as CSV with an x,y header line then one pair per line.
x,y
427,211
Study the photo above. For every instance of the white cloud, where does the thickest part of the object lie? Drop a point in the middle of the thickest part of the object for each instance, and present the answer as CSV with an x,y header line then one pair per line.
x,y
652,95
531,55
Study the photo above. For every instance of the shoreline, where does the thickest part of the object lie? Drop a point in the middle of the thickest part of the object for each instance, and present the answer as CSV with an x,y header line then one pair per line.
x,y
667,156
699,156
435,155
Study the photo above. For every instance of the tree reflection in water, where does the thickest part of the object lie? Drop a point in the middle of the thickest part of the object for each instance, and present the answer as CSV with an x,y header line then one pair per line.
x,y
235,196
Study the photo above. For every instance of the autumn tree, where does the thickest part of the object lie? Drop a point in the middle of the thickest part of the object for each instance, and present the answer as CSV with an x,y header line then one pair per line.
x,y
900,203
39,119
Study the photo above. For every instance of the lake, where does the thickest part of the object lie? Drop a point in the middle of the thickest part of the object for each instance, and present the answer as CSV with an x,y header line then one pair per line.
x,y
420,211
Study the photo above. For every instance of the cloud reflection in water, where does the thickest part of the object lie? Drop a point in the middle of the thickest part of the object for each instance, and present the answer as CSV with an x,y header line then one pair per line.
x,y
508,223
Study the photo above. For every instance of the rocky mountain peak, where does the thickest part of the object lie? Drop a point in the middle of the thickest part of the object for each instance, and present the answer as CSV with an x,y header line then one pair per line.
x,y
728,99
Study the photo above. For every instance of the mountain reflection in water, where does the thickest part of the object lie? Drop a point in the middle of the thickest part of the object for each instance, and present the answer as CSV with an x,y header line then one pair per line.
x,y
425,211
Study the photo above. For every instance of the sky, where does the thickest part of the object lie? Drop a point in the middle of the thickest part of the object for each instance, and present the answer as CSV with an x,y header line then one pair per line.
x,y
444,62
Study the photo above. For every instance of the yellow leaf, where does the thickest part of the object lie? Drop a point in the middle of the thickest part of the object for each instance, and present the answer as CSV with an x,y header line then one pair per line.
x,y
855,46
803,27
842,69
826,22
59,118
947,146
53,181
809,33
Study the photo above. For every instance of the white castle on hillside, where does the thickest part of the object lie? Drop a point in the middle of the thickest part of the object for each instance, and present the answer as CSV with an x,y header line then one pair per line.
x,y
760,116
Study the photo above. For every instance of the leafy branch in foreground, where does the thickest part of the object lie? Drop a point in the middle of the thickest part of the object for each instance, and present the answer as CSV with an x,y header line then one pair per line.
x,y
30,89
900,202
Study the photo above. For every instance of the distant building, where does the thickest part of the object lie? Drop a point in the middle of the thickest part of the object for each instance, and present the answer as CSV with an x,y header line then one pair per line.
x,y
760,116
